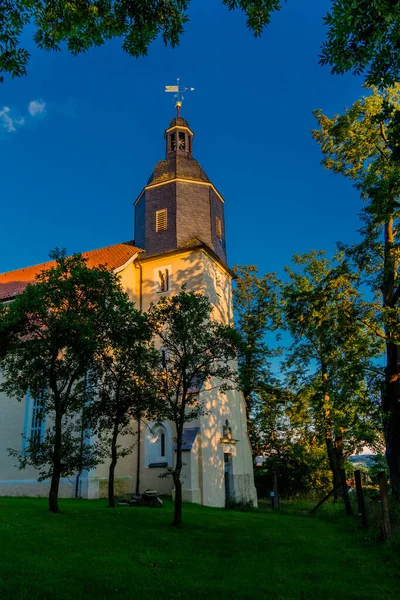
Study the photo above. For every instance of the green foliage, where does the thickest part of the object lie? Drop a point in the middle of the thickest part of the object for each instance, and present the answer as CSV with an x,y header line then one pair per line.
x,y
195,349
50,335
330,360
255,301
82,24
364,37
363,145
380,464
125,386
288,445
124,372
77,454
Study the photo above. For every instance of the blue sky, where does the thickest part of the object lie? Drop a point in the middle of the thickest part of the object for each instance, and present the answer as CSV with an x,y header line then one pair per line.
x,y
86,131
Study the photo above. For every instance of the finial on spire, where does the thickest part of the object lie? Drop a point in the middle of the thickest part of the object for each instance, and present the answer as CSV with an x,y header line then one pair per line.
x,y
178,91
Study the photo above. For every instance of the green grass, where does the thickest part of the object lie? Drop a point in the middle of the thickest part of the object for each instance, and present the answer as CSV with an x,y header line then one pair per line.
x,y
92,552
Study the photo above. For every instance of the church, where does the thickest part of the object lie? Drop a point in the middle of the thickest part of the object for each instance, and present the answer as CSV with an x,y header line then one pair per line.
x,y
180,239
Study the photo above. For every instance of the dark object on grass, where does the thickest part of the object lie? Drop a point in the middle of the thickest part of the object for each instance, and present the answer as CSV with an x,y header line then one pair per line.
x,y
148,498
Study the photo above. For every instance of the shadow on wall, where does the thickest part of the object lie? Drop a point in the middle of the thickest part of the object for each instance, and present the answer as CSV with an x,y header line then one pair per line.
x,y
199,273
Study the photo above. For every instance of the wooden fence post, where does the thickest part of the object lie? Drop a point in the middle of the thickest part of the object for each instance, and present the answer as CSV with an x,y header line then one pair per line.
x,y
386,525
345,491
276,490
360,500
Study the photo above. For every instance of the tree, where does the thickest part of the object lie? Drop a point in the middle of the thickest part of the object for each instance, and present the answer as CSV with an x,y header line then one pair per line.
x,y
81,24
331,356
195,350
255,301
288,442
364,37
49,335
126,390
362,144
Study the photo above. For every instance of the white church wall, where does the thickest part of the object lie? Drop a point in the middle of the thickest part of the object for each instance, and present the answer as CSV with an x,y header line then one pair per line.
x,y
12,415
185,267
130,281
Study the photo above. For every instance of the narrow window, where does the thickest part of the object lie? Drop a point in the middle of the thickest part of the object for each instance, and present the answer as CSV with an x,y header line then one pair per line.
x,y
37,422
182,144
173,141
161,219
162,441
163,280
218,227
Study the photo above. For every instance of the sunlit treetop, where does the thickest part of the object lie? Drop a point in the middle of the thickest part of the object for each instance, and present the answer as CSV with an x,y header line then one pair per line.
x,y
365,139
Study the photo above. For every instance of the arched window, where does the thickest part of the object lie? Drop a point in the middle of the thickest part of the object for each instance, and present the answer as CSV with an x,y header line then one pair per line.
x,y
158,445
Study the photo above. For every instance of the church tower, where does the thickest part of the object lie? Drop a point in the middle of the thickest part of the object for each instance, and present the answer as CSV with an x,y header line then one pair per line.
x,y
180,226
179,205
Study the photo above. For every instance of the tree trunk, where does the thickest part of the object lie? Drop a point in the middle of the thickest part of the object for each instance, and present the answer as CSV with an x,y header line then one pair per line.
x,y
138,458
328,433
340,461
391,393
334,466
250,425
56,474
177,522
111,498
391,410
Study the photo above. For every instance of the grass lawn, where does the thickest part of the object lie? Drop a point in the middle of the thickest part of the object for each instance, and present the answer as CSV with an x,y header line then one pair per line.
x,y
91,552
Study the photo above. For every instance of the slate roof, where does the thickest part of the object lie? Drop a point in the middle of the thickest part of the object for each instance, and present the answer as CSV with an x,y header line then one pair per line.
x,y
183,167
180,122
14,282
188,437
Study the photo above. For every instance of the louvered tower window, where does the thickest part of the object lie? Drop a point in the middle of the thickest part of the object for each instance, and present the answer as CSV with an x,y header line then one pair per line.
x,y
218,227
161,219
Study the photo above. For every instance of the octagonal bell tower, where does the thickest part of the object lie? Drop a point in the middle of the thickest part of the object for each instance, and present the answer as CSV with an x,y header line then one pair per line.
x,y
179,205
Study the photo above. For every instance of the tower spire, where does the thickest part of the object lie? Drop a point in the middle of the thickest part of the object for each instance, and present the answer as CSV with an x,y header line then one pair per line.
x,y
178,91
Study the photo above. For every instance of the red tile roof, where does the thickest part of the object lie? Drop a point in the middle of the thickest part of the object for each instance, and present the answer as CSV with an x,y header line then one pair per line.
x,y
14,282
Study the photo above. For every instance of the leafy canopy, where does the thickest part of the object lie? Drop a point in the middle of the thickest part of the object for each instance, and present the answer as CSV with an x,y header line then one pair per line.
x,y
364,37
81,24
255,301
332,352
194,348
50,334
125,385
362,144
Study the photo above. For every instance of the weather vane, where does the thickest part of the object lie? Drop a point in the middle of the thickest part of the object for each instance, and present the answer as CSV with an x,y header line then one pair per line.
x,y
178,91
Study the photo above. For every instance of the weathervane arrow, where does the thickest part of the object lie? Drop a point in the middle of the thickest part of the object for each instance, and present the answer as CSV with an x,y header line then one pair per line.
x,y
178,91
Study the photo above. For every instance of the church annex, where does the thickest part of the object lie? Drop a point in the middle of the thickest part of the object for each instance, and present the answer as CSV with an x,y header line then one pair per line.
x,y
179,239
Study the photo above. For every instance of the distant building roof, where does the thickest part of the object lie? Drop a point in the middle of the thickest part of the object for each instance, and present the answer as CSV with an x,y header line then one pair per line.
x,y
14,282
188,437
